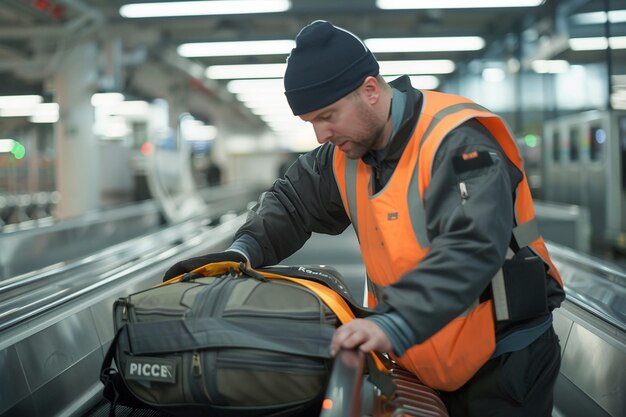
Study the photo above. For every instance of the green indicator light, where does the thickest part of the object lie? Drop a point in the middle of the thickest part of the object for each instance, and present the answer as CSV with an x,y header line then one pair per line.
x,y
18,150
530,140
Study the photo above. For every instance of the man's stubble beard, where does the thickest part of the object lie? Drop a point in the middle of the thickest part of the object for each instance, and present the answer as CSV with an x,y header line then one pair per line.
x,y
367,141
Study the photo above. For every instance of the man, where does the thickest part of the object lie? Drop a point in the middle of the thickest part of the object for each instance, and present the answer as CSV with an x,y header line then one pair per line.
x,y
435,189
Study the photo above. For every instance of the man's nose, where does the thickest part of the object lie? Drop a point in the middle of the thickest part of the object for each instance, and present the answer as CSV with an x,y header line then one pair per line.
x,y
322,135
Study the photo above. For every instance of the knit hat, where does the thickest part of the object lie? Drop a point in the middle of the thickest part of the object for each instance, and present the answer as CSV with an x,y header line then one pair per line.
x,y
327,63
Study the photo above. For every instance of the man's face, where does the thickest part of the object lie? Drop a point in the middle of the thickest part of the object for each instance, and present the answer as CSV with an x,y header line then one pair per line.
x,y
350,124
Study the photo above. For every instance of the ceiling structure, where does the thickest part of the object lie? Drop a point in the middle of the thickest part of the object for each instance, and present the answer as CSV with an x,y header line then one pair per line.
x,y
32,28
35,33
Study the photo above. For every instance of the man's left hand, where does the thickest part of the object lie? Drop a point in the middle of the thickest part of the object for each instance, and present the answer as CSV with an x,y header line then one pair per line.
x,y
360,334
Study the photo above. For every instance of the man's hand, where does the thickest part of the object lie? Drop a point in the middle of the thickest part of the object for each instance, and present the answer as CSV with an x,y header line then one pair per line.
x,y
190,264
360,334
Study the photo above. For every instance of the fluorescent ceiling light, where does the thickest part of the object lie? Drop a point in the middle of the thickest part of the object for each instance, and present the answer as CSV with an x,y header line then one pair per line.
x,y
231,72
199,8
42,109
278,118
46,111
598,18
276,47
38,113
200,133
588,44
116,127
265,111
556,66
106,99
597,43
16,111
454,4
236,48
20,101
617,42
493,75
434,44
128,108
6,145
414,67
256,86
422,82
264,104
44,118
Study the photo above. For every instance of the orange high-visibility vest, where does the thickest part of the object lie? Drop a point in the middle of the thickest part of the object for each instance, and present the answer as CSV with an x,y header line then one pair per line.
x,y
391,228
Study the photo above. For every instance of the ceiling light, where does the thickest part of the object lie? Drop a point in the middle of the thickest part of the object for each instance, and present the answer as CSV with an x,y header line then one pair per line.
x,y
128,108
236,48
268,110
598,18
434,66
199,8
256,86
422,82
42,109
454,4
6,145
493,75
106,99
46,109
20,101
597,43
556,66
452,43
617,42
231,72
588,44
116,127
200,133
44,118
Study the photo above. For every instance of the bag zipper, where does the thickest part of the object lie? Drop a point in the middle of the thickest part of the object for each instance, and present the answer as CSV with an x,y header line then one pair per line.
x,y
312,316
196,372
242,361
213,301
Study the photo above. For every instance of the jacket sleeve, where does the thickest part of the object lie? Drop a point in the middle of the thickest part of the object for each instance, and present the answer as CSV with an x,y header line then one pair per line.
x,y
306,200
469,218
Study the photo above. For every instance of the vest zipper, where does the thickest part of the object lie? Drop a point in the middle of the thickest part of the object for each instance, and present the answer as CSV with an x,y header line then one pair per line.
x,y
464,193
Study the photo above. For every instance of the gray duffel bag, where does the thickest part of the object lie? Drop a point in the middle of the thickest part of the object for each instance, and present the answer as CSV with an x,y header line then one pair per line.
x,y
237,344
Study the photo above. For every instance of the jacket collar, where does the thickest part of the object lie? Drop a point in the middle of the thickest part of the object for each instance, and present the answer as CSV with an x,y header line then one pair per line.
x,y
413,104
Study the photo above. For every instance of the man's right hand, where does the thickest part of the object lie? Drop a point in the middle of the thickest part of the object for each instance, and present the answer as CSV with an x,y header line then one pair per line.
x,y
188,265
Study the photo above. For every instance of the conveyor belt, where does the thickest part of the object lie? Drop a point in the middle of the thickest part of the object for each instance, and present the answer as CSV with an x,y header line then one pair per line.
x,y
54,353
55,322
51,349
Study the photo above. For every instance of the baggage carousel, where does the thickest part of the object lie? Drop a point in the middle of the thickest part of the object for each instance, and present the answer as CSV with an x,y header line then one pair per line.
x,y
55,321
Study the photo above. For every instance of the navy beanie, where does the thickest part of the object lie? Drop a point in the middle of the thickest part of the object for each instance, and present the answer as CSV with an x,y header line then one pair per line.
x,y
327,63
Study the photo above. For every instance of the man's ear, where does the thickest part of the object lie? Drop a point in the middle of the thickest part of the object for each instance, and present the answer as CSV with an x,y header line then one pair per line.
x,y
371,89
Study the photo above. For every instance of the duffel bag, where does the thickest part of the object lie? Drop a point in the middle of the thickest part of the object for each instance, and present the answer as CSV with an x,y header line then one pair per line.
x,y
227,341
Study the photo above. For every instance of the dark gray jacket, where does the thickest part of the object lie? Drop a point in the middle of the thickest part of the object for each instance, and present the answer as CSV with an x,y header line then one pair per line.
x,y
469,238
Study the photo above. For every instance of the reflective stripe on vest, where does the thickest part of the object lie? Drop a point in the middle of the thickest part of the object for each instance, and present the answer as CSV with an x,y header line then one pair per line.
x,y
391,227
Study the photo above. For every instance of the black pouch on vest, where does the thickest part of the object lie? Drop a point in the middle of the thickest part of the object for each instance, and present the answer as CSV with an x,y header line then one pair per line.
x,y
525,287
